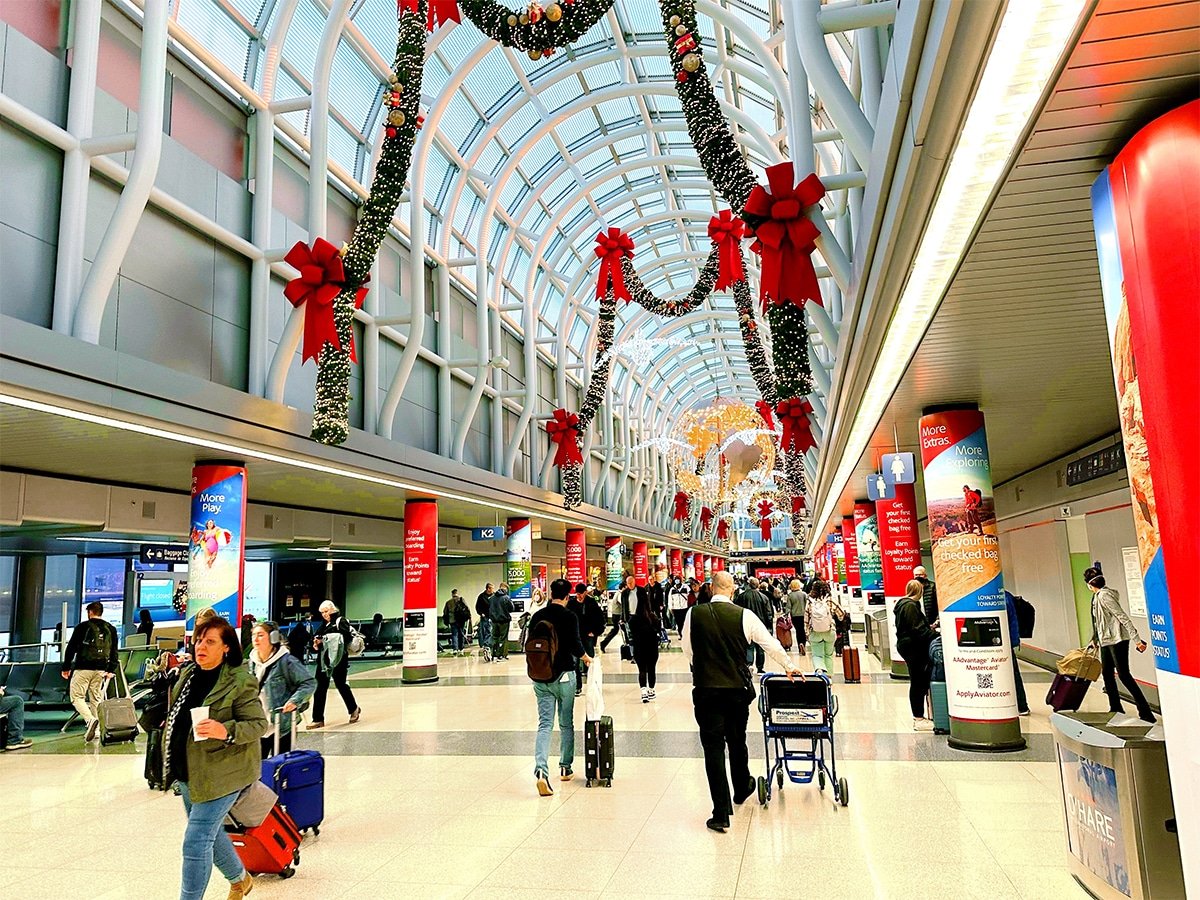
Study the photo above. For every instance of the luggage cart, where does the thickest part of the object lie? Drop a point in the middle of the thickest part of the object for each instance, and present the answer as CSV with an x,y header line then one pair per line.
x,y
799,712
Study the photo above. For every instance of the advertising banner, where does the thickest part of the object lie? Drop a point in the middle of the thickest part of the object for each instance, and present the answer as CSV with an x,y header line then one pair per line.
x,y
641,563
689,565
519,559
900,553
708,568
866,534
420,590
850,543
216,545
612,563
576,553
541,578
1094,833
675,562
966,561
776,572
718,564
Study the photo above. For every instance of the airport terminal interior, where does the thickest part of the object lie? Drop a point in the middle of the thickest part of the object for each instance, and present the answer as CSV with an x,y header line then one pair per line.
x,y
834,362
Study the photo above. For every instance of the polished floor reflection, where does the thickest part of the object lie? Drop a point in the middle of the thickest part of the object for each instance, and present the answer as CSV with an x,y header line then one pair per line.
x,y
432,795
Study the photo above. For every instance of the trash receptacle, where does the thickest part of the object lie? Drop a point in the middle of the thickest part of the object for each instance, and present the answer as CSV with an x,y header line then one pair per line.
x,y
1121,835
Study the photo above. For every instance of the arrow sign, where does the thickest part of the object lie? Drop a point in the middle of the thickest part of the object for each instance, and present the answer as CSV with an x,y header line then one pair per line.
x,y
163,553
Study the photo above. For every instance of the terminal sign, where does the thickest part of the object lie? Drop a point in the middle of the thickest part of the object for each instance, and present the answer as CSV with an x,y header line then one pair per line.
x,y
163,553
487,533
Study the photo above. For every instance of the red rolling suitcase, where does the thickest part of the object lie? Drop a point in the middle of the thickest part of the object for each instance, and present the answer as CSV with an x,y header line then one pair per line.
x,y
851,666
272,848
1067,692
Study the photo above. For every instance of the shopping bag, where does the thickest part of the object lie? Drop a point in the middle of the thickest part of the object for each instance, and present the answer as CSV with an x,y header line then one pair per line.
x,y
1082,663
595,690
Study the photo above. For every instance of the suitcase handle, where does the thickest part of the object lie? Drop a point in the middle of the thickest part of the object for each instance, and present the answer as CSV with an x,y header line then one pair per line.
x,y
276,717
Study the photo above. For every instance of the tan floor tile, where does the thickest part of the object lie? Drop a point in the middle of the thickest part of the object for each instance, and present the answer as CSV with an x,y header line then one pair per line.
x,y
564,869
683,875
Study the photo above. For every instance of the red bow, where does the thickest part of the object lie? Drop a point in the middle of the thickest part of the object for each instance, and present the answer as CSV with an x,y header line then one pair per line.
x,y
439,11
797,504
564,431
765,509
706,517
786,239
612,248
681,506
722,530
797,430
321,279
764,410
726,230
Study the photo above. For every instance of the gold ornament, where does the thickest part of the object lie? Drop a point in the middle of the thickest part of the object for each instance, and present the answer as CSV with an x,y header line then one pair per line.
x,y
535,55
512,21
524,19
675,20
395,117
554,12
681,30
691,62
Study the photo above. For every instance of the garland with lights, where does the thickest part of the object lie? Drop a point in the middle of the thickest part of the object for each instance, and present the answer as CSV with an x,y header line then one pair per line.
x,y
756,351
646,298
537,29
331,409
572,473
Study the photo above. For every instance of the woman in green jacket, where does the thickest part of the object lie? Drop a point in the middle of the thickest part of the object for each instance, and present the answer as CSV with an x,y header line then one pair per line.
x,y
214,760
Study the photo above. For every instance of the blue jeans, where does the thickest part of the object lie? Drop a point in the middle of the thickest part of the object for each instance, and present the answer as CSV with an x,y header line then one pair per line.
x,y
484,633
205,843
456,638
560,693
15,707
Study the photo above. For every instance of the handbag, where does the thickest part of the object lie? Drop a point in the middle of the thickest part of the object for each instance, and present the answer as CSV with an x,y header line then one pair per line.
x,y
252,806
1081,663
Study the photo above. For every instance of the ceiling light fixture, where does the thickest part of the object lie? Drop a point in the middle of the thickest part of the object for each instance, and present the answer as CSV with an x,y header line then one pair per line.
x,y
1024,57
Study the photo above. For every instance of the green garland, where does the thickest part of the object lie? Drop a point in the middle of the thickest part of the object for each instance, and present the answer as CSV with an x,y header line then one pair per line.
x,y
571,477
645,298
517,28
331,409
756,350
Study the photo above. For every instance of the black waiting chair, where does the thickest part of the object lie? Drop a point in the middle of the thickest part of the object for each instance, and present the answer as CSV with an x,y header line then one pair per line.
x,y
23,678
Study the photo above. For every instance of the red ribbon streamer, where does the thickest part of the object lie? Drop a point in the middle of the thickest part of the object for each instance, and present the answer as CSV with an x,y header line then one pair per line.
x,y
726,231
765,509
797,430
787,238
439,11
797,504
612,248
681,506
321,280
706,517
764,410
564,431
722,530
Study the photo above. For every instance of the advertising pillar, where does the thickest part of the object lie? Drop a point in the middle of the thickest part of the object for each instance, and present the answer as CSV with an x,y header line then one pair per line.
x,y
708,568
854,594
612,563
966,564
866,538
641,564
689,566
675,562
900,553
216,546
718,564
1146,207
576,553
420,591
518,569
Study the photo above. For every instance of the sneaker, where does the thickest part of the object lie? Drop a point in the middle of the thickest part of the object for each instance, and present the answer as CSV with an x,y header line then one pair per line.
x,y
579,693
354,716
93,727
645,696
19,745
922,725
650,693
718,825
543,785
1023,712
565,773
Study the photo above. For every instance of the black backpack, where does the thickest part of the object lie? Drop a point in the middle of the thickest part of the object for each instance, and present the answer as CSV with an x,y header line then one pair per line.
x,y
541,647
1025,616
97,644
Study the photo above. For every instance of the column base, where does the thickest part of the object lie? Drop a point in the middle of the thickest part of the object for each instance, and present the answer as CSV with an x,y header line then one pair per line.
x,y
1001,736
419,674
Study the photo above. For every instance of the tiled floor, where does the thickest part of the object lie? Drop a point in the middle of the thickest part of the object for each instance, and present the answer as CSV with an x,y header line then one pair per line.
x,y
431,795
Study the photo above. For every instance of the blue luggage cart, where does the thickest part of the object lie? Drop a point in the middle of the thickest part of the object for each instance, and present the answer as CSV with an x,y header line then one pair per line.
x,y
798,721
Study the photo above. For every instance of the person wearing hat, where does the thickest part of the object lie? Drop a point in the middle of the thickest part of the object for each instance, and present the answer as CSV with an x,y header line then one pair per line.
x,y
929,601
1112,630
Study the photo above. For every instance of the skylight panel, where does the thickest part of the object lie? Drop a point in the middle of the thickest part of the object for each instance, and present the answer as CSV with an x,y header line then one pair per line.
x,y
458,121
603,75
353,87
491,79
523,120
228,41
300,45
556,95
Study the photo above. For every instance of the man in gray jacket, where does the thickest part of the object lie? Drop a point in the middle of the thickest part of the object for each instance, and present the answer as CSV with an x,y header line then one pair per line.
x,y
797,603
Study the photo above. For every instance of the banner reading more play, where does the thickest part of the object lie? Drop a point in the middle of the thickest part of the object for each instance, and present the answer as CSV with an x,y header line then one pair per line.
x,y
966,561
216,543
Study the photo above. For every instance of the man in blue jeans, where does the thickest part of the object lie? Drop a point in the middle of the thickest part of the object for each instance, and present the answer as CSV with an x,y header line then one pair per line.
x,y
14,708
559,691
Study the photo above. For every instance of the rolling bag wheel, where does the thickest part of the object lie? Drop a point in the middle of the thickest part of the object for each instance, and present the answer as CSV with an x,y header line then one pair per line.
x,y
288,872
295,857
316,829
821,781
843,792
779,778
762,791
588,783
608,782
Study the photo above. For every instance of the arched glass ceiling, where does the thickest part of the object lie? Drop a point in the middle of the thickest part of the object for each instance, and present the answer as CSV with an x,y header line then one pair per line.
x,y
593,136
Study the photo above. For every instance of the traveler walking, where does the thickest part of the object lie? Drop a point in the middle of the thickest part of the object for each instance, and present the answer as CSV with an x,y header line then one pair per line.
x,y
284,684
715,638
913,637
299,639
819,623
929,600
146,626
618,612
90,660
551,651
500,610
13,707
677,600
459,622
245,635
1014,629
332,643
1112,630
841,623
483,609
795,603
215,758
754,600
645,623
591,623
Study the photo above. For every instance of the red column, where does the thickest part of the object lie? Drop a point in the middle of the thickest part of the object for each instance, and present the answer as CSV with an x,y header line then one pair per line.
x,y
576,553
641,563
675,557
420,590
900,549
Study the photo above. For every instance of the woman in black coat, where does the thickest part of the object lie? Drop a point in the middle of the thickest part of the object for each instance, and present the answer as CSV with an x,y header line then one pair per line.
x,y
913,637
645,625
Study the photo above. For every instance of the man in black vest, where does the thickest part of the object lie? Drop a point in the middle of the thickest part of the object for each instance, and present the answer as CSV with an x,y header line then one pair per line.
x,y
716,636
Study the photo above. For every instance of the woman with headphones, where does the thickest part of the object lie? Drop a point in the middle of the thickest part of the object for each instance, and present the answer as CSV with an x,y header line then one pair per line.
x,y
284,684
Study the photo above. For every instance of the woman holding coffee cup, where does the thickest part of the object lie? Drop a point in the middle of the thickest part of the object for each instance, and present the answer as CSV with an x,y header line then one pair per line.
x,y
211,748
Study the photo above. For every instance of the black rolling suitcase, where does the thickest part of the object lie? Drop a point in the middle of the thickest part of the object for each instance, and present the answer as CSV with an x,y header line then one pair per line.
x,y
600,757
154,760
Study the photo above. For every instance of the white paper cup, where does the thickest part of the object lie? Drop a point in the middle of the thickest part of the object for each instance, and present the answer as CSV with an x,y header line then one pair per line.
x,y
199,714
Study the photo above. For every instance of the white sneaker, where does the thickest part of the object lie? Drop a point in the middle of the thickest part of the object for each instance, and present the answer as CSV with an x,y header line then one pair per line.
x,y
650,693
922,725
645,695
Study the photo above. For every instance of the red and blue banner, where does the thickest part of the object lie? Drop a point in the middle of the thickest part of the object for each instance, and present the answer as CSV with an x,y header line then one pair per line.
x,y
519,559
216,544
866,539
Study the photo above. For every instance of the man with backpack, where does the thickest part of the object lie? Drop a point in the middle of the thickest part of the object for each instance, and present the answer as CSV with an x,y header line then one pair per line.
x,y
483,607
90,660
551,649
500,610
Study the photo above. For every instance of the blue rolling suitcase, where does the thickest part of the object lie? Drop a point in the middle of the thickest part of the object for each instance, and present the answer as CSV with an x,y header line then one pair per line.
x,y
940,706
298,777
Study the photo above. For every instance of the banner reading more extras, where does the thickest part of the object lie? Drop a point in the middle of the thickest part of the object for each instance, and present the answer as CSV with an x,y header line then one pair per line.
x,y
420,589
641,563
216,543
966,561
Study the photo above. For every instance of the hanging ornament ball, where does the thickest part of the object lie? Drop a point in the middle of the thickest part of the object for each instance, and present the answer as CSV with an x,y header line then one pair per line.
x,y
691,62
524,18
681,76
675,20
395,117
393,78
553,12
390,131
535,54
681,30
512,21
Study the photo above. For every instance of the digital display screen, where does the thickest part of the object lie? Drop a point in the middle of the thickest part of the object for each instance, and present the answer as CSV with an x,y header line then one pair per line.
x,y
157,595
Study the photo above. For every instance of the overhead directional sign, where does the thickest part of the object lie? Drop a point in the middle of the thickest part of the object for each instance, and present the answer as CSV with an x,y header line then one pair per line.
x,y
898,468
488,533
163,553
879,488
